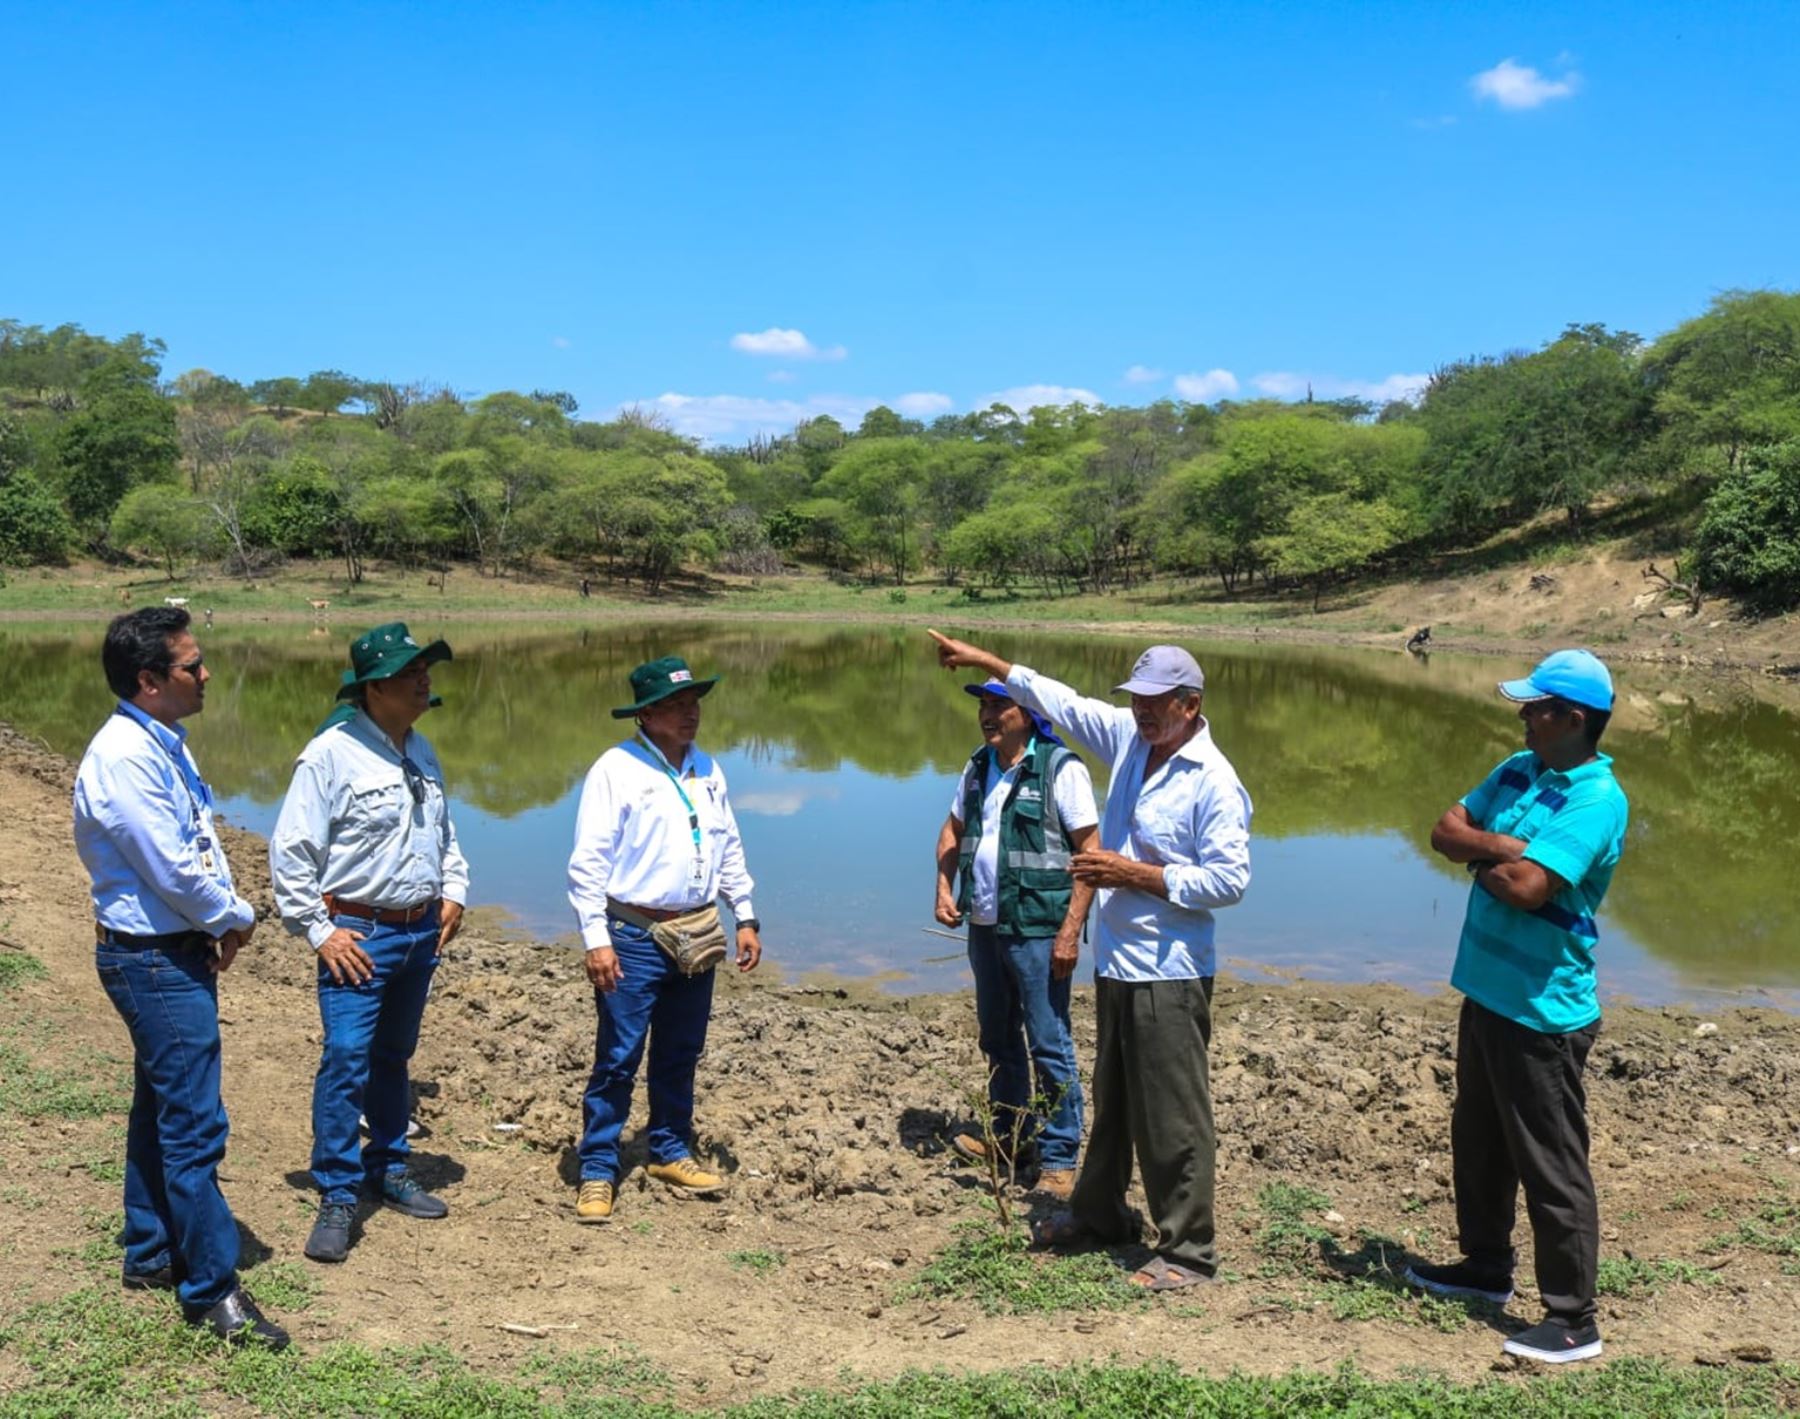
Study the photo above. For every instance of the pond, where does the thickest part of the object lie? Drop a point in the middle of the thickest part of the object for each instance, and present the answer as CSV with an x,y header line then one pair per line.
x,y
842,746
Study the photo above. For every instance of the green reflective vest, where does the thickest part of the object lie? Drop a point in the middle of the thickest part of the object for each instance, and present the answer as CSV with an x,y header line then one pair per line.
x,y
1034,882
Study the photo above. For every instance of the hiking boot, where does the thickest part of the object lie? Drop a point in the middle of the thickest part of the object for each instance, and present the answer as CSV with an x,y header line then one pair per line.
x,y
330,1238
237,1320
1058,1183
1462,1279
161,1279
687,1177
400,1192
594,1203
977,1150
1556,1341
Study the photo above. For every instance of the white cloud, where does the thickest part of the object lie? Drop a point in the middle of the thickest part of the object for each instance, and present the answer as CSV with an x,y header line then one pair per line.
x,y
1142,374
784,344
1514,85
781,376
925,404
1023,397
562,342
1285,384
1205,388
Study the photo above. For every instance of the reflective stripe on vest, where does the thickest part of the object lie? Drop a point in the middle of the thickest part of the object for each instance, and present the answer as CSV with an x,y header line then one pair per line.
x,y
1040,776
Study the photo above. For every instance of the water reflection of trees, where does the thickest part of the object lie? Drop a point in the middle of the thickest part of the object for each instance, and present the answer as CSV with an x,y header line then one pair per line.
x,y
1328,742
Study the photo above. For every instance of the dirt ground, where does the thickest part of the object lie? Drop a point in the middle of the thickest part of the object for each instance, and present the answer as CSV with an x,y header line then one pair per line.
x,y
827,1105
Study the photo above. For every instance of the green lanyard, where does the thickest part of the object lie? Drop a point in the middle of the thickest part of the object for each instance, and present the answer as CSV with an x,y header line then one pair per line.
x,y
686,802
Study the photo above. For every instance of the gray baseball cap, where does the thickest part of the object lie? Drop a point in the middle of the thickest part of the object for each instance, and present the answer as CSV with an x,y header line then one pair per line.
x,y
1163,668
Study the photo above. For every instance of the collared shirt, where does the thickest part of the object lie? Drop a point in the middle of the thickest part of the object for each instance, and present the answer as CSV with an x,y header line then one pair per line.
x,y
1074,790
1191,818
633,841
1537,968
144,829
355,824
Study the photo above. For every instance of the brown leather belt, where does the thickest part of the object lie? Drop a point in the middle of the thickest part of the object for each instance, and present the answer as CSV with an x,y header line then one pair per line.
x,y
386,916
613,905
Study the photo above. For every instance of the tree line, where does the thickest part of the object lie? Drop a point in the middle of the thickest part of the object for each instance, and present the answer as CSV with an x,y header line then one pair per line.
x,y
99,454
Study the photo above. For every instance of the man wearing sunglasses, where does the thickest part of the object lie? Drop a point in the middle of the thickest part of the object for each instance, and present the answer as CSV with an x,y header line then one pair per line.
x,y
167,922
1541,836
367,868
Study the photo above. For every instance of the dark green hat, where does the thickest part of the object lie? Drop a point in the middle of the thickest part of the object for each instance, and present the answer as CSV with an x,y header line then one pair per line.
x,y
658,679
383,653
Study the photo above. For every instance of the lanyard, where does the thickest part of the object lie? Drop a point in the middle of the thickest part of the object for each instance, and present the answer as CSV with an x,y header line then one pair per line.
x,y
686,802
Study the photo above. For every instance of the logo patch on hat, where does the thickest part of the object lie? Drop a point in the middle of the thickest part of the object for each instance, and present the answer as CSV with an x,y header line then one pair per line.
x,y
677,677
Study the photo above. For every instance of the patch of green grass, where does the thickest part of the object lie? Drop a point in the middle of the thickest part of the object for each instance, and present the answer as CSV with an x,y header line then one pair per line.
x,y
17,967
1634,1276
97,1356
758,1261
29,1091
1680,1202
1775,1228
282,1285
1000,1273
642,1229
1287,1241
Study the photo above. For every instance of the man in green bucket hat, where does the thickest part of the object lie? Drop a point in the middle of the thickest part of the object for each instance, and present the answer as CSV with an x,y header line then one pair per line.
x,y
656,847
366,866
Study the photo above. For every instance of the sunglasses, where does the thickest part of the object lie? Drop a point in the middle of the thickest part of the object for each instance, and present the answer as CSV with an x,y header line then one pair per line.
x,y
415,779
192,667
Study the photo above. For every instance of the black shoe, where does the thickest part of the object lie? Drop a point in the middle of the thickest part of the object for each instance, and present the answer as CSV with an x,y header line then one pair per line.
x,y
1556,1341
1462,1279
330,1237
161,1279
237,1320
400,1192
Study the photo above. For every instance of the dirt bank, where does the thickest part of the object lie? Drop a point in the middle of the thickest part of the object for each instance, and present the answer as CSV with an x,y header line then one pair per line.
x,y
828,1108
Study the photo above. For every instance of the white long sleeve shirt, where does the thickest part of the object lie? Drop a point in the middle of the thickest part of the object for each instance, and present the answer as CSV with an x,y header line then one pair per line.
x,y
354,826
633,841
1191,818
144,830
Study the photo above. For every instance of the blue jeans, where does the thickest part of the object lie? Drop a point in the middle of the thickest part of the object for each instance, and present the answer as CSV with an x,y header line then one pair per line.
x,y
653,1001
1023,1015
371,1031
175,1215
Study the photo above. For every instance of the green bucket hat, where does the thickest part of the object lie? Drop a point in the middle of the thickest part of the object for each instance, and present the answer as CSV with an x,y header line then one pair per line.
x,y
658,679
383,653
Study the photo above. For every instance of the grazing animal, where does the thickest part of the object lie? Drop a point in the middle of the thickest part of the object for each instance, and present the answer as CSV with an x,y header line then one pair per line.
x,y
1419,643
319,607
178,602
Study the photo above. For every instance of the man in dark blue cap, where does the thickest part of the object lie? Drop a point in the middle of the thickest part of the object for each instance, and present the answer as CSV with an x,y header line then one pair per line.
x,y
1541,836
1023,807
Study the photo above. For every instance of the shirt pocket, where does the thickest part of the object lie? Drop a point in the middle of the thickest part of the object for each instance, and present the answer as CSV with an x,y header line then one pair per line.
x,y
377,804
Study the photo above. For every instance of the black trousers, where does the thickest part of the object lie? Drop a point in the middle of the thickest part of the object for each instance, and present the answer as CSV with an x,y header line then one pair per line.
x,y
1152,1097
1521,1118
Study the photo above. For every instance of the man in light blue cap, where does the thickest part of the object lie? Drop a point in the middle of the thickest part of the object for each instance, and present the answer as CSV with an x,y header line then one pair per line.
x,y
1541,836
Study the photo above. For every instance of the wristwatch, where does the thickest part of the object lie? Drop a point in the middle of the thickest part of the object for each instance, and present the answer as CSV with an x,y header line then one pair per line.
x,y
750,922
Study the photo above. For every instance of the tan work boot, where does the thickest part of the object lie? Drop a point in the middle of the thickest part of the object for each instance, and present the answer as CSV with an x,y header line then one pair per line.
x,y
594,1203
976,1149
687,1177
1056,1182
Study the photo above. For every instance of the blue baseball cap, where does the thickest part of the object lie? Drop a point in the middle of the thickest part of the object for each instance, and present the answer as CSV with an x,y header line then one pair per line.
x,y
1573,675
997,688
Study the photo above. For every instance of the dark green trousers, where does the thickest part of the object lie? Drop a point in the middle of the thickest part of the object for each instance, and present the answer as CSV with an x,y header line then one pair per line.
x,y
1152,1097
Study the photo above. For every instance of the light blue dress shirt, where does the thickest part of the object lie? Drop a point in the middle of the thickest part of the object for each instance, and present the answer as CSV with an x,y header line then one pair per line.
x,y
144,830
1191,818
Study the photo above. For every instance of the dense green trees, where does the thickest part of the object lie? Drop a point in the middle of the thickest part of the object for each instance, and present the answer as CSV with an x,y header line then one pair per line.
x,y
96,453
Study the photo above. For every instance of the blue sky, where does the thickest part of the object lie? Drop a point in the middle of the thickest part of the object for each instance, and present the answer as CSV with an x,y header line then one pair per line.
x,y
744,214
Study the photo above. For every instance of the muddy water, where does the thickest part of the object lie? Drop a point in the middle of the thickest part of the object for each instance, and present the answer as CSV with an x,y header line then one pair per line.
x,y
842,747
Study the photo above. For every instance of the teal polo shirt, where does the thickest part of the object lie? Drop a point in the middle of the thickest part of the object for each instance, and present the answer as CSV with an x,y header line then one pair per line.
x,y
1537,968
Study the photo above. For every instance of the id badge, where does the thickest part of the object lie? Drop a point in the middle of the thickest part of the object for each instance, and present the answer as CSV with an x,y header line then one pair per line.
x,y
699,872
208,863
